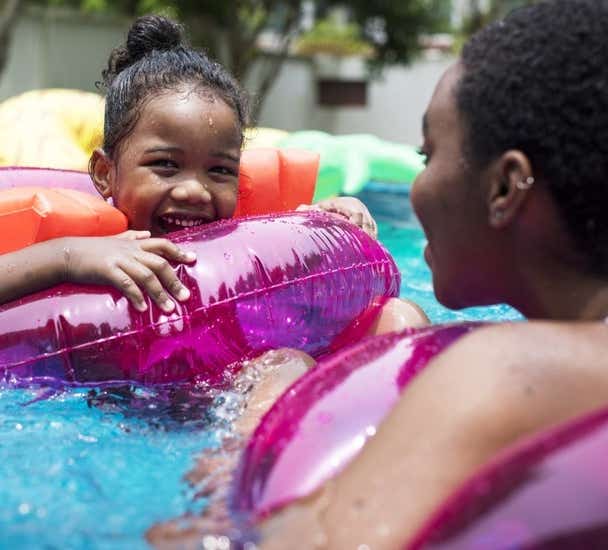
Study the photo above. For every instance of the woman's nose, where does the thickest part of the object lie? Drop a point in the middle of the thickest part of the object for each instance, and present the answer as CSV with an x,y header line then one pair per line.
x,y
192,190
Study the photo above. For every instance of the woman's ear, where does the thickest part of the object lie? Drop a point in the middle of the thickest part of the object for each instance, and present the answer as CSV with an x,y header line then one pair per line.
x,y
100,170
512,179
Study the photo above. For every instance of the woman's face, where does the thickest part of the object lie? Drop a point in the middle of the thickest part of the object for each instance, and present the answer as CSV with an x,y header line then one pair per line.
x,y
448,198
179,166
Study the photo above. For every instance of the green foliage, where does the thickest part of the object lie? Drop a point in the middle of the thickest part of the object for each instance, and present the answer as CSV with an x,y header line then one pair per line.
x,y
480,17
394,26
386,31
329,37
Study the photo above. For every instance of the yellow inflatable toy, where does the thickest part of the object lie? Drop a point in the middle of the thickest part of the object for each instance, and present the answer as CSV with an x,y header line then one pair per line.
x,y
262,138
58,128
52,128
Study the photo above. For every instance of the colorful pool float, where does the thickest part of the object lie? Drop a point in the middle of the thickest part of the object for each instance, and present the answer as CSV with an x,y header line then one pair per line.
x,y
349,162
549,491
324,419
58,128
32,209
30,215
52,128
260,283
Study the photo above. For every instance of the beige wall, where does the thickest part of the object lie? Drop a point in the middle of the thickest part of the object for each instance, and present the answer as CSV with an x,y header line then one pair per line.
x,y
54,48
61,49
396,102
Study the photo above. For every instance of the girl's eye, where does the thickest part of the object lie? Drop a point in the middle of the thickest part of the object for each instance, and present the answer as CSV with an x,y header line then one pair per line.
x,y
424,154
166,164
223,170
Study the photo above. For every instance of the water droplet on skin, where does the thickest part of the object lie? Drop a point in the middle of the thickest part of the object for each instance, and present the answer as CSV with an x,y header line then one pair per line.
x,y
210,121
211,542
320,540
383,530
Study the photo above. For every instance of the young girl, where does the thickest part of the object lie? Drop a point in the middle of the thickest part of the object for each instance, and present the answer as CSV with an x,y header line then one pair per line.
x,y
173,134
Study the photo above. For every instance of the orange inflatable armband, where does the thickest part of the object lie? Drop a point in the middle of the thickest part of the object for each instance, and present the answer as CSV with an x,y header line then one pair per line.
x,y
33,214
270,181
275,180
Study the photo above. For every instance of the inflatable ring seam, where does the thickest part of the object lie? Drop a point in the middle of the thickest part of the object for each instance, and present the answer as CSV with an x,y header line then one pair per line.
x,y
186,316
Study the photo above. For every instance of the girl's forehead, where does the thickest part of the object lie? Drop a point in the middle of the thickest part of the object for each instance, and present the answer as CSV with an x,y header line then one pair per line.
x,y
186,101
176,111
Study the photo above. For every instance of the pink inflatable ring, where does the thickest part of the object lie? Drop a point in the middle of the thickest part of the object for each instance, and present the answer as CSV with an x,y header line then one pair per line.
x,y
296,280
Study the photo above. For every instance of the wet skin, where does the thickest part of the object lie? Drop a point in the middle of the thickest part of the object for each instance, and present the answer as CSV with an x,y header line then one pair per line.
x,y
449,198
179,167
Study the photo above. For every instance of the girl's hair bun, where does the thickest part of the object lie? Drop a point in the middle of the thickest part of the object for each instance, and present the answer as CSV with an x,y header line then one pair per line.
x,y
153,32
148,33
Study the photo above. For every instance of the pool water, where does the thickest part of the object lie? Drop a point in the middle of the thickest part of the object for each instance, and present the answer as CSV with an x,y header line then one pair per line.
x,y
86,471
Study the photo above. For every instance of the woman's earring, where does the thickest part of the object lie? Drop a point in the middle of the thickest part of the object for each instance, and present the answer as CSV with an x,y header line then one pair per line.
x,y
525,184
499,215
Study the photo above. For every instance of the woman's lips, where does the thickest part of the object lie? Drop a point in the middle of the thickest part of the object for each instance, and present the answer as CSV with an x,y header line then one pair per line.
x,y
428,257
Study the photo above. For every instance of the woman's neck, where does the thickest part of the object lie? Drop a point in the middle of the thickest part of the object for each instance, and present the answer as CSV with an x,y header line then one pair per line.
x,y
567,295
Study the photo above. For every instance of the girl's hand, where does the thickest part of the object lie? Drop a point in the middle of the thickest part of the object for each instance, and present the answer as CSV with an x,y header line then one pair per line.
x,y
346,207
132,262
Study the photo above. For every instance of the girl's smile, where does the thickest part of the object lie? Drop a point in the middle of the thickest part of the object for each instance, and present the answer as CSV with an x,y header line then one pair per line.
x,y
179,166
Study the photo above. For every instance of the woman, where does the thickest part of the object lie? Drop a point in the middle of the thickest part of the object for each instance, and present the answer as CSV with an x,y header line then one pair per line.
x,y
512,202
513,205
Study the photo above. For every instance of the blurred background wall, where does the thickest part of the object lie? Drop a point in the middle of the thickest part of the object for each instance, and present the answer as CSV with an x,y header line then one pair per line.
x,y
67,49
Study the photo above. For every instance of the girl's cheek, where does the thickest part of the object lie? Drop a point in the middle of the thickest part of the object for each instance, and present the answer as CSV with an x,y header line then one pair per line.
x,y
228,203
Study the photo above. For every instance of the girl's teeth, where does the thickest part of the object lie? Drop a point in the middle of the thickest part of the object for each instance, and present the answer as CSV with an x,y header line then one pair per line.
x,y
183,223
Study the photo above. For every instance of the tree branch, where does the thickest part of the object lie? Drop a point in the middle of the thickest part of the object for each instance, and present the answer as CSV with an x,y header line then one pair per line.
x,y
276,61
9,13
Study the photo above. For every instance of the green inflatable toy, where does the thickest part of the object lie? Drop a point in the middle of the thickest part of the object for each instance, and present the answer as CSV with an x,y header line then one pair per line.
x,y
348,162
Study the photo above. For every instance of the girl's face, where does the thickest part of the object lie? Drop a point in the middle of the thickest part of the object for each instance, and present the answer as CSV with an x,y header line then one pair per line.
x,y
448,198
179,166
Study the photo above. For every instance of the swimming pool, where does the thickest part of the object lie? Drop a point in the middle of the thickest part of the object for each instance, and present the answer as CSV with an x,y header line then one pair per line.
x,y
82,472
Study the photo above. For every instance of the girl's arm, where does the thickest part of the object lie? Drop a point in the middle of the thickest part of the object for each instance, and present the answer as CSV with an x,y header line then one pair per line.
x,y
131,262
29,270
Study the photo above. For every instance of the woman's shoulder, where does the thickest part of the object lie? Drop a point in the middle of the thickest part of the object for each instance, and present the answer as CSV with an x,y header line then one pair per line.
x,y
525,376
537,344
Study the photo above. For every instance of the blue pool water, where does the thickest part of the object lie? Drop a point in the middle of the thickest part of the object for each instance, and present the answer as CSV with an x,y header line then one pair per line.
x,y
79,472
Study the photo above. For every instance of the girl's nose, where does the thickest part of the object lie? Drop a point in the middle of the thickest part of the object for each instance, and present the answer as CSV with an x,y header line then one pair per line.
x,y
192,190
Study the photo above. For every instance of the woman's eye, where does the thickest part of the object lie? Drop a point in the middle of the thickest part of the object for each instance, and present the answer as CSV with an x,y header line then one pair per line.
x,y
424,154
